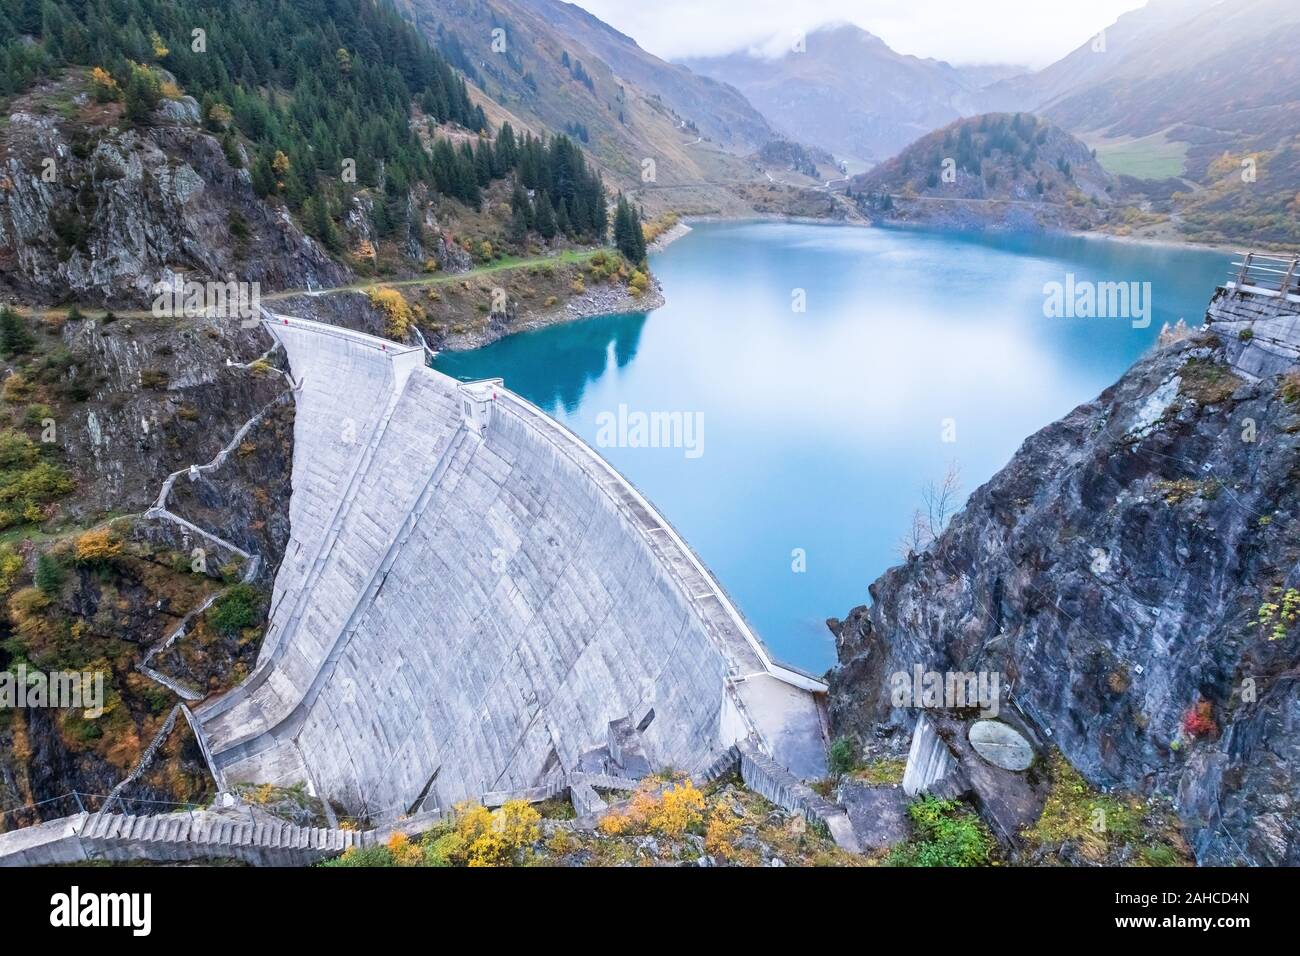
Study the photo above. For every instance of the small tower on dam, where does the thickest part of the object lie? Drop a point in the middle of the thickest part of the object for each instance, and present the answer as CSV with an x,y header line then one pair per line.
x,y
477,402
473,601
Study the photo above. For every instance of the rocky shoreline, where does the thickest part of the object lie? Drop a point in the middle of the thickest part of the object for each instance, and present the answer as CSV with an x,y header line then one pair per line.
x,y
602,300
669,236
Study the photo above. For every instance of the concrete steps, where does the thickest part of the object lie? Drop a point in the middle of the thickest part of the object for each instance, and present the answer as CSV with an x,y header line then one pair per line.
x,y
198,835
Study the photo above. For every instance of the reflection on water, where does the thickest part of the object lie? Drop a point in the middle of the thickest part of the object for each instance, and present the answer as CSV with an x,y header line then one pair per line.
x,y
821,426
553,372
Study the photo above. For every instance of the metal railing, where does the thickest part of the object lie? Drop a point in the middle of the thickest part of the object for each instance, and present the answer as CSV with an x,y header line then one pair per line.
x,y
1270,273
74,802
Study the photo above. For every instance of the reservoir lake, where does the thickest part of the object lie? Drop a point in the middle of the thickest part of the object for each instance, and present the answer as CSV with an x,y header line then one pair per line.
x,y
825,374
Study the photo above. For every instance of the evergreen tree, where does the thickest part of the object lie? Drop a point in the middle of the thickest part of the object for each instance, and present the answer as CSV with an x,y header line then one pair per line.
x,y
14,337
483,163
545,216
629,238
518,226
49,575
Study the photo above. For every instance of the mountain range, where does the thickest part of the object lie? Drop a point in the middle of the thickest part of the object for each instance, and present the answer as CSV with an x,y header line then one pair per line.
x,y
845,90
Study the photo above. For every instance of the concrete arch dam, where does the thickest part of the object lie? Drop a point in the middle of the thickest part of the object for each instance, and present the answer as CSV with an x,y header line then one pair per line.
x,y
470,596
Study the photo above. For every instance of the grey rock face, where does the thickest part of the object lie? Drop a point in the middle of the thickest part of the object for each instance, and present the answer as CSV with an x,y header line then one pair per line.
x,y
1111,573
99,216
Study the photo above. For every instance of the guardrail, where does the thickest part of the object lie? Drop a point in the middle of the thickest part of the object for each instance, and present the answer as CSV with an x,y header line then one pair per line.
x,y
1267,273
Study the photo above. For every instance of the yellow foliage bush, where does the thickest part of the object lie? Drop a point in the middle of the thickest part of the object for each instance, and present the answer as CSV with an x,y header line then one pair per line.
x,y
17,388
670,813
520,824
720,837
98,544
220,114
396,310
615,824
559,842
405,853
680,808
484,838
106,88
25,608
11,563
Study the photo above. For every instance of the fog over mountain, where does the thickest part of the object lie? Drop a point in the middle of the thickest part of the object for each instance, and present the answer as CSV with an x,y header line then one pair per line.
x,y
847,91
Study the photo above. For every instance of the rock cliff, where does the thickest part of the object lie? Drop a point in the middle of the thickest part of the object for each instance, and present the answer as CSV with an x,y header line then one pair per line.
x,y
94,213
1116,573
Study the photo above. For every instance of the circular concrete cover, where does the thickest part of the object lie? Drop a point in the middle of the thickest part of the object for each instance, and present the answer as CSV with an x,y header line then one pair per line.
x,y
1001,745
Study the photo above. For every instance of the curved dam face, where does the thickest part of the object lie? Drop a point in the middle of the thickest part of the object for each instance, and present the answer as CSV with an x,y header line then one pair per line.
x,y
470,596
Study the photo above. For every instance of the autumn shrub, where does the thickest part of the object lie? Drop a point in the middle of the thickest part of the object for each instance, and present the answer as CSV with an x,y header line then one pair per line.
x,y
154,378
680,808
1075,814
670,813
105,87
1199,720
25,607
720,835
482,838
98,546
404,852
1290,388
11,565
396,311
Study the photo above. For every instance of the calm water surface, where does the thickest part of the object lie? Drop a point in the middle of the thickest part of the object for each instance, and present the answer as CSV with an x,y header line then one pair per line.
x,y
821,427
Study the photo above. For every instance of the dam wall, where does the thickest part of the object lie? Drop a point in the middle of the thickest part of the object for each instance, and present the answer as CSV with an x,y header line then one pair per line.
x,y
470,596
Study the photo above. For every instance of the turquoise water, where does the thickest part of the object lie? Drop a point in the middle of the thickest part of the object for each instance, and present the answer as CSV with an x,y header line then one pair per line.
x,y
820,427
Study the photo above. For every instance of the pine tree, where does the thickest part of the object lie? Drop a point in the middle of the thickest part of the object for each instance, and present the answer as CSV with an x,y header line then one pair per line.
x,y
49,575
545,216
483,163
518,226
14,337
628,236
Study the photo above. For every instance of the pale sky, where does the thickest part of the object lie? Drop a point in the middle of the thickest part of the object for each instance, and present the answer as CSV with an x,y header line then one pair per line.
x,y
1030,33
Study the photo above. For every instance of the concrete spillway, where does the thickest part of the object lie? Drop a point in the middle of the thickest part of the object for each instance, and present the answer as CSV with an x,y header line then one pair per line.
x,y
470,595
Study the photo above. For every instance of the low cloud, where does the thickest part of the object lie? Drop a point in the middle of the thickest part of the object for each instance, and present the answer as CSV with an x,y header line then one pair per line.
x,y
1027,32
